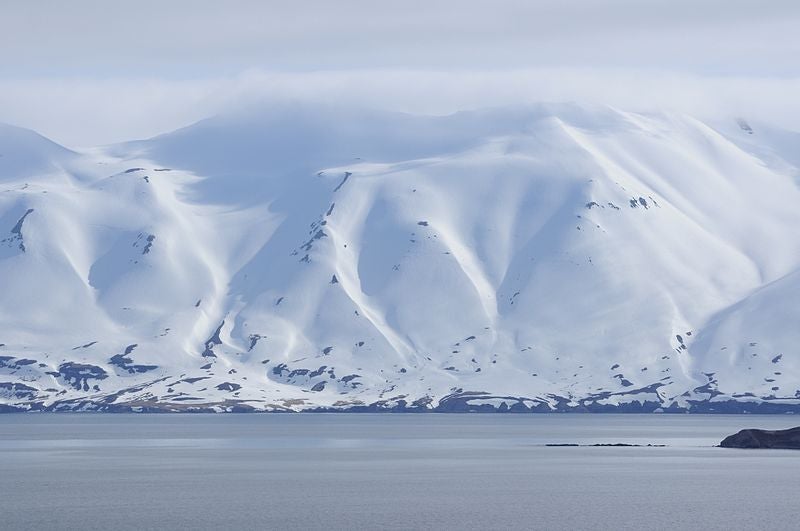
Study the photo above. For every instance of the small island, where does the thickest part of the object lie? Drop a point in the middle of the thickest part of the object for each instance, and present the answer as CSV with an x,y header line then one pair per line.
x,y
752,438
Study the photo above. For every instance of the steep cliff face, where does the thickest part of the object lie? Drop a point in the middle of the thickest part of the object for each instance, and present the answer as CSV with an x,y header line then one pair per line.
x,y
541,258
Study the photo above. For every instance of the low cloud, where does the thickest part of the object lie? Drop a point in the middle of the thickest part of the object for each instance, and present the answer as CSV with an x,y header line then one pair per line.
x,y
85,112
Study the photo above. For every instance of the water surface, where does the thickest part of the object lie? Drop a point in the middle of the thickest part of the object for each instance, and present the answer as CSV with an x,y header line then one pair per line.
x,y
390,471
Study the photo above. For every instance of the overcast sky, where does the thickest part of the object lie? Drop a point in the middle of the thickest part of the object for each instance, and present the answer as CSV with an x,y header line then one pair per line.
x,y
98,71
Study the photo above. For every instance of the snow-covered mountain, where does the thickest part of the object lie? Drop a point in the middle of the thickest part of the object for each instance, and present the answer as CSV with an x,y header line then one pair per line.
x,y
556,257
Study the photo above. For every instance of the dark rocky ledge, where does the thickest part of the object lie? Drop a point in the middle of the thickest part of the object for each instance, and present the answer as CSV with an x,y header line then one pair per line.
x,y
785,439
614,445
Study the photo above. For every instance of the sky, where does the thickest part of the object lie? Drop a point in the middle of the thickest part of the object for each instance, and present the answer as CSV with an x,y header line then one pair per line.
x,y
89,72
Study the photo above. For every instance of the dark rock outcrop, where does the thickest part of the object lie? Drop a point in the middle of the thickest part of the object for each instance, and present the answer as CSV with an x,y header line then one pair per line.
x,y
125,362
786,439
77,375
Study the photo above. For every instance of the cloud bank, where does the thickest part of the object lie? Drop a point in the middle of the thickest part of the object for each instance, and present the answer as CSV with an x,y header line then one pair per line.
x,y
81,112
92,72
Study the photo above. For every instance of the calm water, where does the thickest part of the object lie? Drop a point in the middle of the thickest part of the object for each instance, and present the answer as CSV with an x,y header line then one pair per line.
x,y
73,471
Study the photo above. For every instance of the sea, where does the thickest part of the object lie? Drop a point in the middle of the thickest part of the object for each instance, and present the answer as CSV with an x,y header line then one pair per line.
x,y
392,471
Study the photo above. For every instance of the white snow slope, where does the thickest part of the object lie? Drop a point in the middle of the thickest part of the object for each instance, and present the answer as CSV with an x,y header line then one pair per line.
x,y
547,258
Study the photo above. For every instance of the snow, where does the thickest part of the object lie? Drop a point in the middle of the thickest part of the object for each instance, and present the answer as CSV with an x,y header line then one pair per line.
x,y
516,252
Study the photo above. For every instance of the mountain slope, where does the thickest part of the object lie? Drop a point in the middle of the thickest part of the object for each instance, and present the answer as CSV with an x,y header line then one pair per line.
x,y
542,258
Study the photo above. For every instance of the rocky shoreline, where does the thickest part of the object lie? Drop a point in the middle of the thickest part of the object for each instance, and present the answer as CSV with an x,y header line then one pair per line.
x,y
465,403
